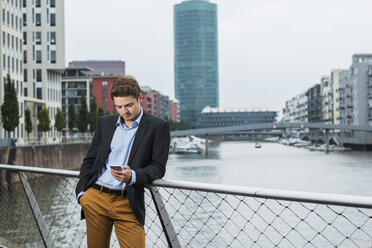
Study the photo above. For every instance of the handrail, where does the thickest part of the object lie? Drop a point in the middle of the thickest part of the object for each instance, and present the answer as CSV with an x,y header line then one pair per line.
x,y
301,196
57,172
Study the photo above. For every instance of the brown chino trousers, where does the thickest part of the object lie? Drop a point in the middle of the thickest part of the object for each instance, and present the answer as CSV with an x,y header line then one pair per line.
x,y
102,211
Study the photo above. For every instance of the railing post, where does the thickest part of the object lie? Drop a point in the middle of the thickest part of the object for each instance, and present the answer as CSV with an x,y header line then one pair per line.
x,y
165,220
327,140
36,212
206,145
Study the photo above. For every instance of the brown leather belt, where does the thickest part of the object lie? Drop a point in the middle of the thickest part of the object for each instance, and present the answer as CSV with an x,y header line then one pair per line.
x,y
117,192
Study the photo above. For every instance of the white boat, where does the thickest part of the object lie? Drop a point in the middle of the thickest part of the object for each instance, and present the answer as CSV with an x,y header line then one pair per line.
x,y
331,148
257,145
302,143
185,145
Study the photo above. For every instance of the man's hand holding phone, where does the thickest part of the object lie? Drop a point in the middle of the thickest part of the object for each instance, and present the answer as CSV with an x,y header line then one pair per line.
x,y
121,173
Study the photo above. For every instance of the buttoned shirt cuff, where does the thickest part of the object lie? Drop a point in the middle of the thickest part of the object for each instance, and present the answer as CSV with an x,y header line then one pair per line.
x,y
80,195
133,180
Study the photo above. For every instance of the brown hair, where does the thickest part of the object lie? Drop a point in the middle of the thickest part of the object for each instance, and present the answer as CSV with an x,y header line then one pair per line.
x,y
125,86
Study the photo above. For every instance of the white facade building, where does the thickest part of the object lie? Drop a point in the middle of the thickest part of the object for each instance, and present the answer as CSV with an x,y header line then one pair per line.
x,y
43,58
296,109
11,57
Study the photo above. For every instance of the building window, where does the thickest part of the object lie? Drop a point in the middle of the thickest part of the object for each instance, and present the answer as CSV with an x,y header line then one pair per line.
x,y
104,92
38,57
53,38
25,75
25,57
24,38
24,19
3,16
104,83
38,19
39,93
38,3
53,3
24,3
39,75
53,57
104,99
38,38
52,19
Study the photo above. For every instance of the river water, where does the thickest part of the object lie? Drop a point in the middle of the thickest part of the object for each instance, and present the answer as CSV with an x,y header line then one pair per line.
x,y
276,166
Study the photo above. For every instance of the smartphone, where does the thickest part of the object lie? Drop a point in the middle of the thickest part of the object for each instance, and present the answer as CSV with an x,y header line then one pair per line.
x,y
116,167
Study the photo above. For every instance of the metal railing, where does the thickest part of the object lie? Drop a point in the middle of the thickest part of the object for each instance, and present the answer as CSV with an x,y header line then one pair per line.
x,y
185,214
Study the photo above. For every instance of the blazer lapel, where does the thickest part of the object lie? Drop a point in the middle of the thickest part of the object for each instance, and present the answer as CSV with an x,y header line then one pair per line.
x,y
139,136
110,130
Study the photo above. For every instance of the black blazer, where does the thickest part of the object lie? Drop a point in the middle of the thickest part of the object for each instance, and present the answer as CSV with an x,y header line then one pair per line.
x,y
148,157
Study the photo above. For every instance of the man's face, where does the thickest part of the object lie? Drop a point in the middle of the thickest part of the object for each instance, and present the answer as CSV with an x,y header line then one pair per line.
x,y
128,107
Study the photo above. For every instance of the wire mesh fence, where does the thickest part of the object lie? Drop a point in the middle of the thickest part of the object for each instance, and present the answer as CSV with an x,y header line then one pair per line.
x,y
200,218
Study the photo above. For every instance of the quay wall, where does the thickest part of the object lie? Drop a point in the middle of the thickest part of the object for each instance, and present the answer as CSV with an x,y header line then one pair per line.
x,y
56,156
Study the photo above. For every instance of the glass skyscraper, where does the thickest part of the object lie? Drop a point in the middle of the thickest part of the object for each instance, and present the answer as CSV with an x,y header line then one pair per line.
x,y
195,58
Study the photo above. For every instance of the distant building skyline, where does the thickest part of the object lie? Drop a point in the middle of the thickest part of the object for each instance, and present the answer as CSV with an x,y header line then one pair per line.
x,y
224,117
195,58
101,67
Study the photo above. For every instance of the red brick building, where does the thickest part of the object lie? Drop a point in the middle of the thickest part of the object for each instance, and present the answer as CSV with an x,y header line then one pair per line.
x,y
173,110
101,87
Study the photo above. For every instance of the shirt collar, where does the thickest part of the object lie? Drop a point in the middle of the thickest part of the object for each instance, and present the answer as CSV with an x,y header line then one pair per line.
x,y
134,124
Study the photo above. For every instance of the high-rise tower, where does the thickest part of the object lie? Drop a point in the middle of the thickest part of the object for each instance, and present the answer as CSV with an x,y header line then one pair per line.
x,y
195,58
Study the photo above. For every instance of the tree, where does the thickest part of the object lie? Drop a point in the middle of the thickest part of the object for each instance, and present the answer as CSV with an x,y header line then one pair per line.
x,y
71,117
100,112
82,121
44,121
60,122
28,122
10,109
183,125
93,115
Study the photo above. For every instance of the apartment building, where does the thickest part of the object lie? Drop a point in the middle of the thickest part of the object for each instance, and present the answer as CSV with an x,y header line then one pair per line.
x,y
44,58
358,99
75,82
314,102
11,54
326,89
345,98
297,109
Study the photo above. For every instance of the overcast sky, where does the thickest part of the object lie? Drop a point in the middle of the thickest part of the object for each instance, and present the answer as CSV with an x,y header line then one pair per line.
x,y
269,50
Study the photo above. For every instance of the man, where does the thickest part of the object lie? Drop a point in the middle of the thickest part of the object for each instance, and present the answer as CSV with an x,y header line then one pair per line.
x,y
139,143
